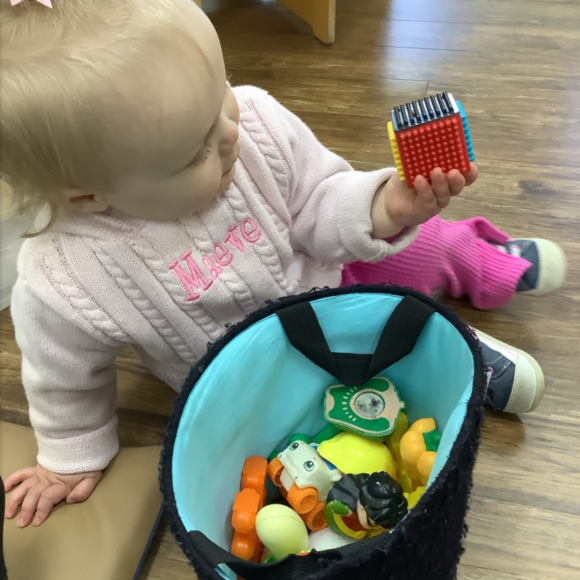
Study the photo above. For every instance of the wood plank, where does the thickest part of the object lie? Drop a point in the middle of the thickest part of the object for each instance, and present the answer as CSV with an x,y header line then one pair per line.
x,y
562,14
467,572
401,63
551,540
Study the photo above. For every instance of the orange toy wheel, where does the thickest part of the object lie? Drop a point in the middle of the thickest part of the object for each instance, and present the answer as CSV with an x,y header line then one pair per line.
x,y
246,507
255,473
315,519
303,499
246,546
275,470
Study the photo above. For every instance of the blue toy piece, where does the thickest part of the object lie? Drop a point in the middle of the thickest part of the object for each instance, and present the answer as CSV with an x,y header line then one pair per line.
x,y
467,131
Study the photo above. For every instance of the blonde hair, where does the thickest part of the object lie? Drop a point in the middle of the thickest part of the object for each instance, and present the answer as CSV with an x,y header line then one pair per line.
x,y
60,69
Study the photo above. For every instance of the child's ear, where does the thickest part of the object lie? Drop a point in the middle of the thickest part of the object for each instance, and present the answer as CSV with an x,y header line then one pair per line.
x,y
84,202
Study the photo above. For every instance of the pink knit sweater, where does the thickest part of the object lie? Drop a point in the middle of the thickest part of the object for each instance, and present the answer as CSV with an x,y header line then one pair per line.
x,y
294,214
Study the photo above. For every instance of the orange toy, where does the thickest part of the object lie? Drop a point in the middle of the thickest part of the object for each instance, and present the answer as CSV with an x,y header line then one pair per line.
x,y
249,501
254,475
419,447
315,519
304,479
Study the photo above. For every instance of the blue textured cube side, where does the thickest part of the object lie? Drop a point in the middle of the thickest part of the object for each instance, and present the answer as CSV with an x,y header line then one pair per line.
x,y
467,131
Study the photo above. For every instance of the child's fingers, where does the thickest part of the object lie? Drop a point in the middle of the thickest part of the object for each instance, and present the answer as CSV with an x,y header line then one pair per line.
x,y
18,477
17,497
49,498
31,502
472,175
440,187
82,490
439,181
426,200
422,186
456,182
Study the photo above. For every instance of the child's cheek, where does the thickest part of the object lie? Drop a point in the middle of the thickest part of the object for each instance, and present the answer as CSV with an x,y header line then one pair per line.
x,y
205,186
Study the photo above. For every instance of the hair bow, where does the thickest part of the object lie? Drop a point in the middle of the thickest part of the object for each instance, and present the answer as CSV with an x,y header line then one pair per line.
x,y
46,3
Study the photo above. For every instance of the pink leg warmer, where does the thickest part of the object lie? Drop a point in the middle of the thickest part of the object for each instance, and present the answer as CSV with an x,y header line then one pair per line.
x,y
457,257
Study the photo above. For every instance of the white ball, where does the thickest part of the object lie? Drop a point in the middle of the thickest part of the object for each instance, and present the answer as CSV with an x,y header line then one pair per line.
x,y
328,539
282,531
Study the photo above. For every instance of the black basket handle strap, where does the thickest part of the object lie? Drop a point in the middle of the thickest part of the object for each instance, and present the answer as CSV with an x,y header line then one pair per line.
x,y
398,339
400,334
291,568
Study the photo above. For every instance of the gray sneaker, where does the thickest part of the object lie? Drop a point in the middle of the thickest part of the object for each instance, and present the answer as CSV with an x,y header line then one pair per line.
x,y
548,269
515,379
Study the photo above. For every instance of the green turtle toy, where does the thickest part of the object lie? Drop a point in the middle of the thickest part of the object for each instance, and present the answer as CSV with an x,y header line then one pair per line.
x,y
370,411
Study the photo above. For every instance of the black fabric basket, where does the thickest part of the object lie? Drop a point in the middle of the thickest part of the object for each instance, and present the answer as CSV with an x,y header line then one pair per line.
x,y
348,335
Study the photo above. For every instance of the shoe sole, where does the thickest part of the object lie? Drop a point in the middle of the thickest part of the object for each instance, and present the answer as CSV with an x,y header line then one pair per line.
x,y
553,267
540,385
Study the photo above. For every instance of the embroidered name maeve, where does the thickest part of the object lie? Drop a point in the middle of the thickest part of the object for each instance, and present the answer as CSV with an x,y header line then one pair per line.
x,y
195,280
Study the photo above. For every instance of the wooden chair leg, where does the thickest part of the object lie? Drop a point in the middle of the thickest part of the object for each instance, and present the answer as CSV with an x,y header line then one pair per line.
x,y
320,14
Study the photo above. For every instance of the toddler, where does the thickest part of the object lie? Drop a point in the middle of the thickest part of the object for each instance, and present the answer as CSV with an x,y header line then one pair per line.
x,y
170,205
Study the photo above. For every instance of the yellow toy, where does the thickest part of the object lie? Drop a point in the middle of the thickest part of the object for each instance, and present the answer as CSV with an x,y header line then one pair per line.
x,y
414,497
353,454
419,447
282,531
394,445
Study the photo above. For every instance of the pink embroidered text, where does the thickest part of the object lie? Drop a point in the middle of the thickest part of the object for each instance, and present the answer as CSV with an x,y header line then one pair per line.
x,y
194,279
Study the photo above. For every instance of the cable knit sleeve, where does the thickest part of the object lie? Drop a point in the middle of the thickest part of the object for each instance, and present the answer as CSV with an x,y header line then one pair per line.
x,y
70,383
329,202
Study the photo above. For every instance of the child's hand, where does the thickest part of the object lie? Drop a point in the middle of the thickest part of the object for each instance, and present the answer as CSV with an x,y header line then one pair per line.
x,y
40,490
396,206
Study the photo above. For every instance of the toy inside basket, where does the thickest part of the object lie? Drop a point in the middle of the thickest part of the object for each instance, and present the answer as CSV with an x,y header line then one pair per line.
x,y
259,390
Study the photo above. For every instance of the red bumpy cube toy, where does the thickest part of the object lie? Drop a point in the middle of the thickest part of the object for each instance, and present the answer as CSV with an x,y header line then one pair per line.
x,y
429,133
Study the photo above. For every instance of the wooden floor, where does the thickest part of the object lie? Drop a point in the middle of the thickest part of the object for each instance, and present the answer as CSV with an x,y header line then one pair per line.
x,y
516,66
